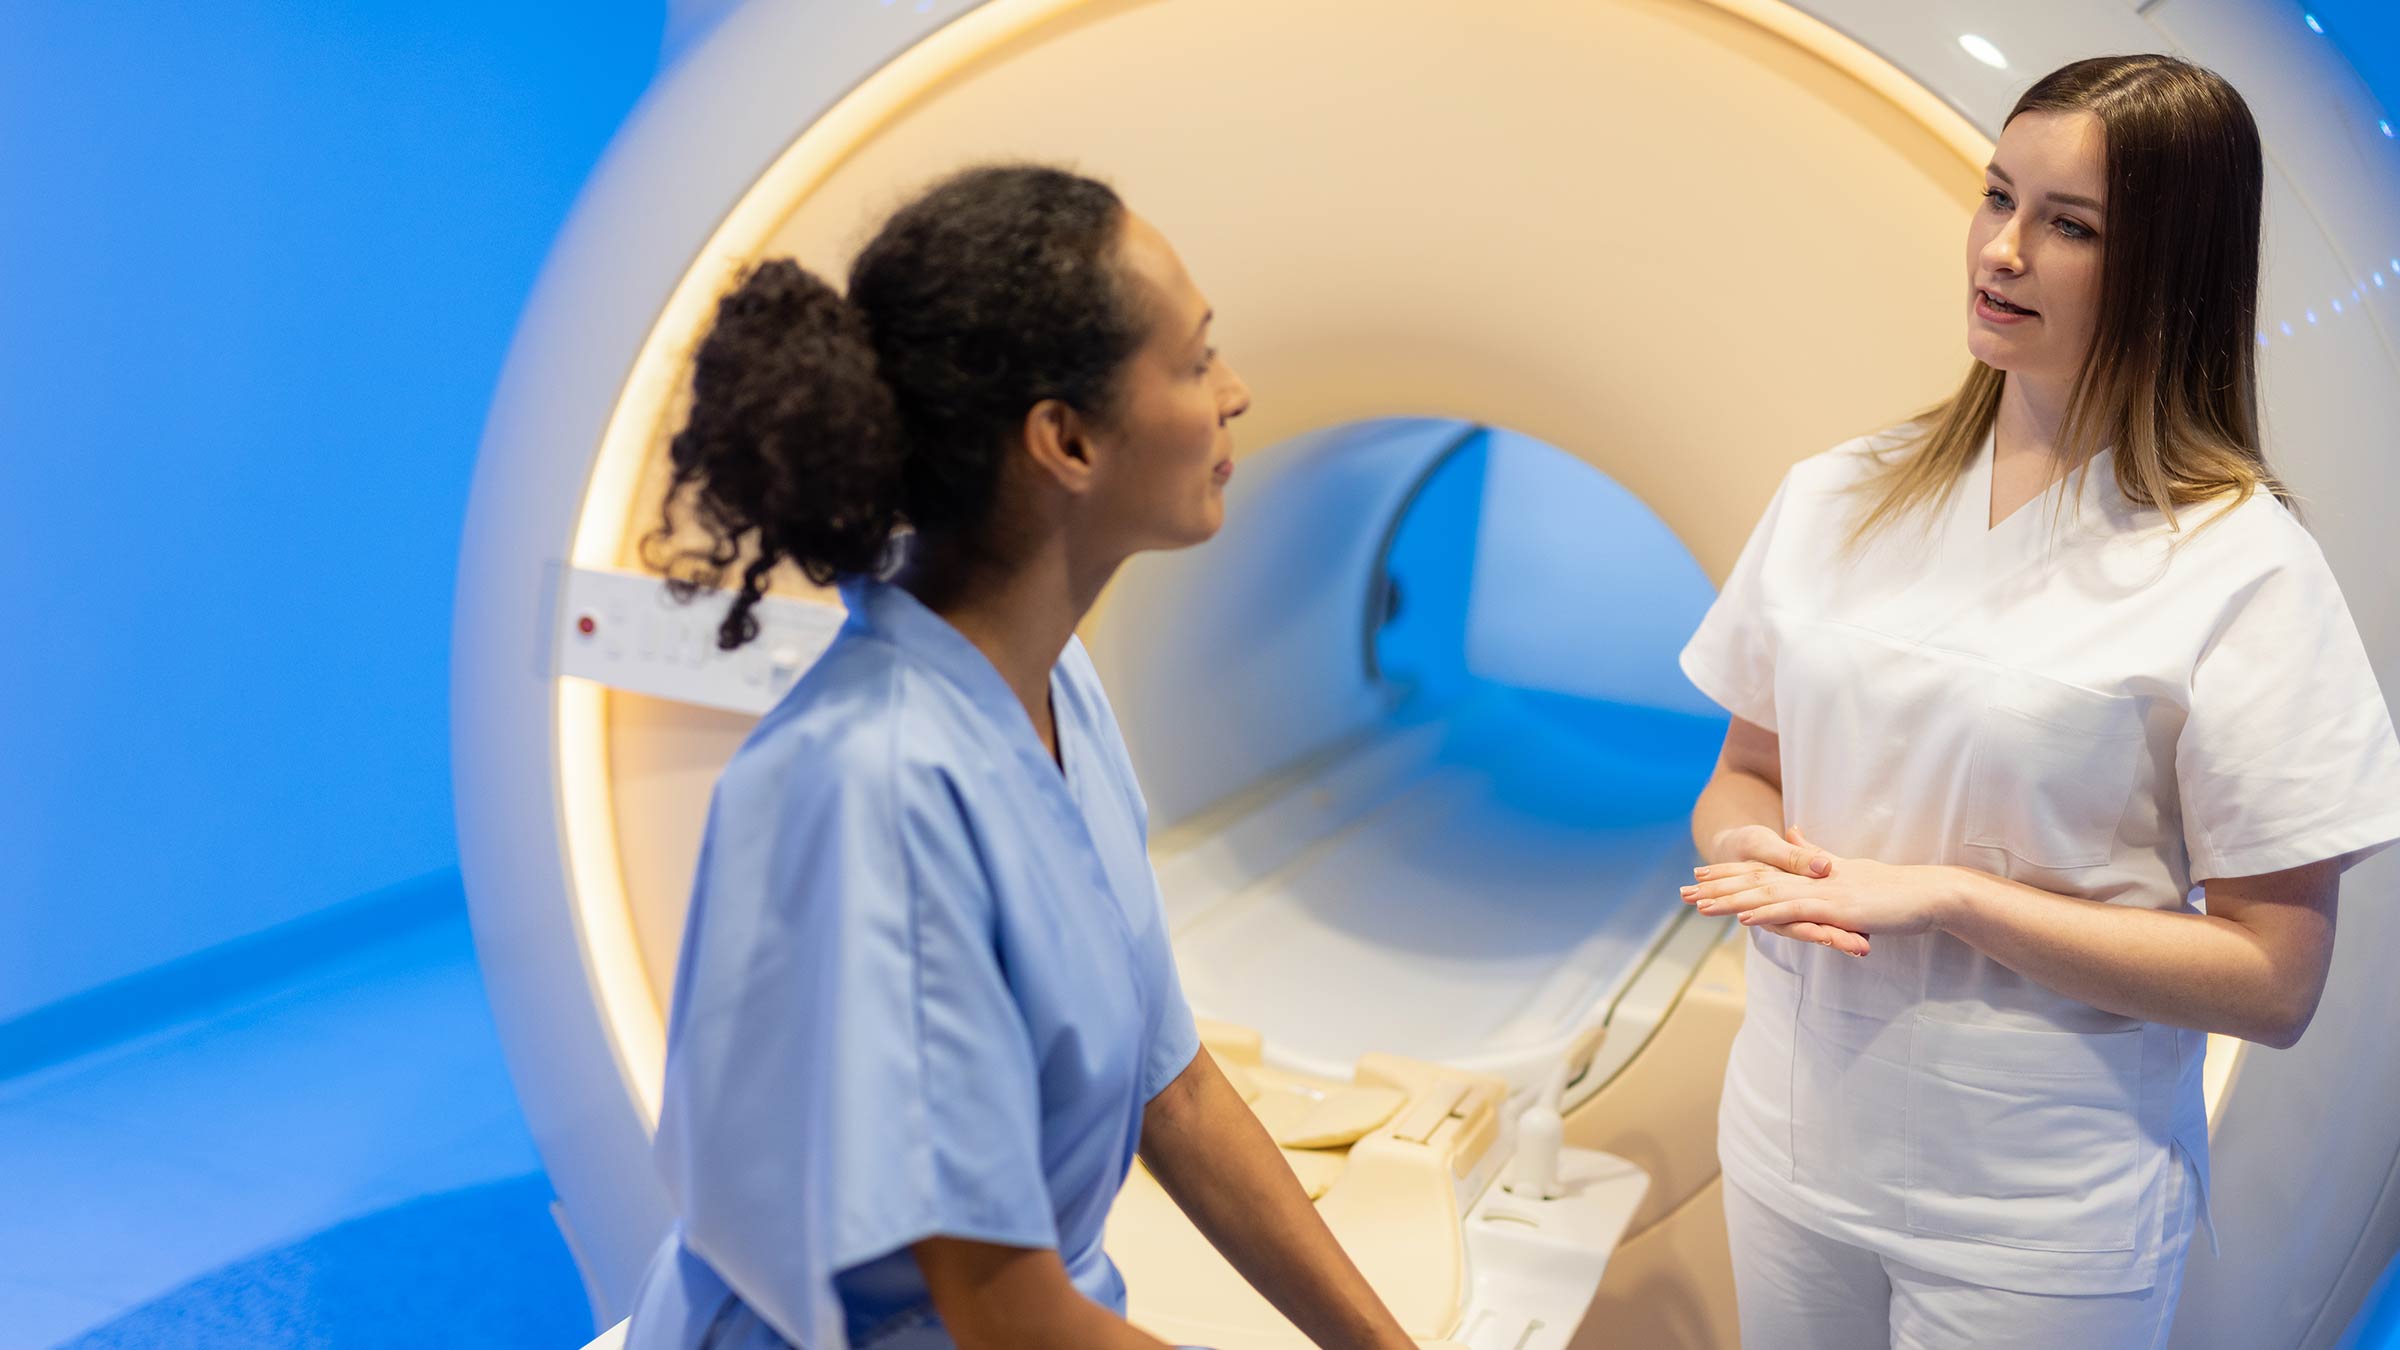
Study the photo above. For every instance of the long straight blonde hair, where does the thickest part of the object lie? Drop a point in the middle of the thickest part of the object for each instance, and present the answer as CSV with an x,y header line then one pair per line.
x,y
2171,379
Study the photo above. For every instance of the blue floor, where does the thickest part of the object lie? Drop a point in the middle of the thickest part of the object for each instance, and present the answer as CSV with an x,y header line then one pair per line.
x,y
334,1161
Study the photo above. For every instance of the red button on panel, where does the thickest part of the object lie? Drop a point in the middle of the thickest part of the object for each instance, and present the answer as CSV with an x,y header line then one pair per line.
x,y
587,625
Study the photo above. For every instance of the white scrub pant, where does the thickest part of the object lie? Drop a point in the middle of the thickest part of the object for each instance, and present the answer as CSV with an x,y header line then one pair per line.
x,y
1800,1290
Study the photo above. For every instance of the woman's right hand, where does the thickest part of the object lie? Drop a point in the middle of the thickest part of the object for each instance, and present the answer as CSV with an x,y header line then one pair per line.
x,y
1756,848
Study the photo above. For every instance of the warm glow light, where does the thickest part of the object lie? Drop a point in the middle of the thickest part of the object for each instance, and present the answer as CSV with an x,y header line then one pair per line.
x,y
612,962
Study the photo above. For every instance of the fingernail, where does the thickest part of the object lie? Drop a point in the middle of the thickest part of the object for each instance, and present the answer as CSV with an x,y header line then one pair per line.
x,y
1820,866
1745,918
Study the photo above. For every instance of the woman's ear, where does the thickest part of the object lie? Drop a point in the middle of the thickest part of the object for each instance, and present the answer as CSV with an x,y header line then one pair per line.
x,y
1058,442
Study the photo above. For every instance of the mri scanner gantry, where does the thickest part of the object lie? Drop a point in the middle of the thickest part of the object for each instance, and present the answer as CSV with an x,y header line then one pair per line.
x,y
1686,241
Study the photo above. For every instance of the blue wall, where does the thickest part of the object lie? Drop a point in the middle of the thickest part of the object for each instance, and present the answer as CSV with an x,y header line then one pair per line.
x,y
259,260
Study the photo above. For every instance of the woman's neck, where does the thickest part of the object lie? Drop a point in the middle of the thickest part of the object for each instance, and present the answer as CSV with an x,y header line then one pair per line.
x,y
2026,454
1019,615
2031,418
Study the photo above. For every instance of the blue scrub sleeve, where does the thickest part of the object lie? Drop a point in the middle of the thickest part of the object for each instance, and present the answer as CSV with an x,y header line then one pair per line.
x,y
1731,657
851,1072
1176,1038
2287,755
968,1127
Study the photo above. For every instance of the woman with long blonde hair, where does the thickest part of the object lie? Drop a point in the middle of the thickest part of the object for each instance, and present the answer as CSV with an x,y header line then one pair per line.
x,y
2013,686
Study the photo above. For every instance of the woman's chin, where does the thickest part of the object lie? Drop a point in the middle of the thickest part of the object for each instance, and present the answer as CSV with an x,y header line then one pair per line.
x,y
1994,351
1212,519
1200,527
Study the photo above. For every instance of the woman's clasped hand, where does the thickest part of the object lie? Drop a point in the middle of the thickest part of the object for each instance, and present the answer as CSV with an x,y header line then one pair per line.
x,y
1788,886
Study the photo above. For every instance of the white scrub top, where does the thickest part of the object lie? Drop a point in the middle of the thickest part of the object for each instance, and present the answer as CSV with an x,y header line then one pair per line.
x,y
925,990
2077,699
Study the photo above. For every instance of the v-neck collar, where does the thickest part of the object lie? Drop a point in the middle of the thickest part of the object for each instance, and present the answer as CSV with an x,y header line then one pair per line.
x,y
904,620
1977,494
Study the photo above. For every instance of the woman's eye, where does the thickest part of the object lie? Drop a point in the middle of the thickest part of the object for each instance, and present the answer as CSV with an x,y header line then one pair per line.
x,y
2073,229
1998,199
1207,359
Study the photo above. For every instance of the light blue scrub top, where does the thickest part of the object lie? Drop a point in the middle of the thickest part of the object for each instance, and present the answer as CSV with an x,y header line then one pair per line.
x,y
925,990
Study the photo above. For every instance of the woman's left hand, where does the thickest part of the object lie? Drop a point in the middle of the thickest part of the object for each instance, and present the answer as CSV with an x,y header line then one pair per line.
x,y
1860,894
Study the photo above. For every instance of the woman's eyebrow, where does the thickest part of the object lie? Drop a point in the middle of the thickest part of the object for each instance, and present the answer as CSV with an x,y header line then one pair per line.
x,y
2063,198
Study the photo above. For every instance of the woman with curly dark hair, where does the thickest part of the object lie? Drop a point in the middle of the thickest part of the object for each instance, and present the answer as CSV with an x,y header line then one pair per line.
x,y
926,1014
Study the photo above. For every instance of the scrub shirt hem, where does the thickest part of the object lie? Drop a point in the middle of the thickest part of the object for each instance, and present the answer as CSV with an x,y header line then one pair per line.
x,y
1984,1265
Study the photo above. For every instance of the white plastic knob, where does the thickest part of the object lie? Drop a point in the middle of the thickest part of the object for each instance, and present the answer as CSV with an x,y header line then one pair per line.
x,y
1533,1170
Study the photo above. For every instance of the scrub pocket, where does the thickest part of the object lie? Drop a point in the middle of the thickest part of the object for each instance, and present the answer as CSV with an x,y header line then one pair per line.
x,y
2027,1139
2053,771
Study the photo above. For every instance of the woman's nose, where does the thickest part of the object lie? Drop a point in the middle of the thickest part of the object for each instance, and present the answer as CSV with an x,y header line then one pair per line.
x,y
1236,400
2000,253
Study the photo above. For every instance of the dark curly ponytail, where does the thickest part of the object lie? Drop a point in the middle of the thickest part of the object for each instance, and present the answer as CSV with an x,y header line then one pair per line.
x,y
792,443
819,424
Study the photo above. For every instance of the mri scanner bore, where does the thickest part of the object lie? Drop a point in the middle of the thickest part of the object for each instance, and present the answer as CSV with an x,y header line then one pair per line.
x,y
1343,197
1530,752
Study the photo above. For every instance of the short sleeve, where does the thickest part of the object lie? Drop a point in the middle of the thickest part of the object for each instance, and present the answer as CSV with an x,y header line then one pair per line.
x,y
848,1071
979,1148
1175,1037
2287,754
1731,657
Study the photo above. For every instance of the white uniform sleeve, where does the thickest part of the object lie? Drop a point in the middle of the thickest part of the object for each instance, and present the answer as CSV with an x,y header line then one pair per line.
x,y
2287,756
1731,657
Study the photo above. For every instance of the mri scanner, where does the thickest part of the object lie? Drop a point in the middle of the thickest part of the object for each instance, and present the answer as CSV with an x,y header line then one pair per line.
x,y
1685,242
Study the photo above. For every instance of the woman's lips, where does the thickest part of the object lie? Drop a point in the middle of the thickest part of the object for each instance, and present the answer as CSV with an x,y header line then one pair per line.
x,y
1987,305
